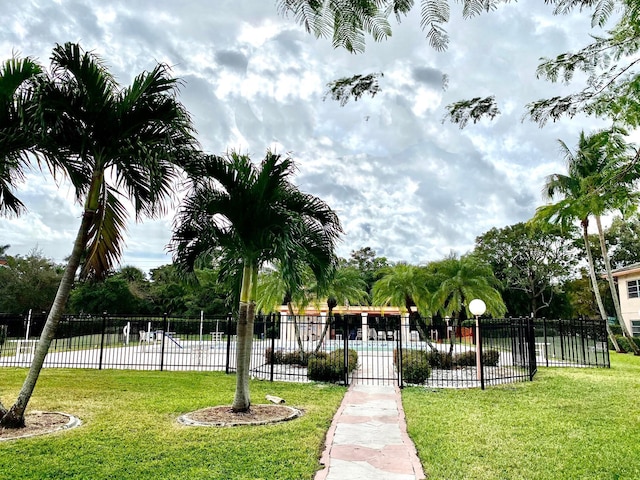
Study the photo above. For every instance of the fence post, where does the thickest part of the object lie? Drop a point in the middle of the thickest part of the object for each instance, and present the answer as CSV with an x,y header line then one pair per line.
x,y
582,335
229,318
346,355
546,352
399,359
271,324
104,322
479,347
531,339
164,334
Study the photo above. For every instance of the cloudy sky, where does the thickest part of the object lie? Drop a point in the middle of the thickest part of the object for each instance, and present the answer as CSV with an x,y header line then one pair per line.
x,y
403,183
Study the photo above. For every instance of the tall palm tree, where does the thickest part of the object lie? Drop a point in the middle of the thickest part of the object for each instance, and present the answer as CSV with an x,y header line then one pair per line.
x,y
17,81
600,177
253,215
113,144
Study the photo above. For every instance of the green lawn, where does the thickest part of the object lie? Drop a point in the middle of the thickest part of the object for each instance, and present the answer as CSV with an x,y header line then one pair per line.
x,y
130,428
569,423
566,424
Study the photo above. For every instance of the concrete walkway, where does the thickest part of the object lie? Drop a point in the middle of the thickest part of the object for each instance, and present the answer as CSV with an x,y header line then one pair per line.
x,y
368,438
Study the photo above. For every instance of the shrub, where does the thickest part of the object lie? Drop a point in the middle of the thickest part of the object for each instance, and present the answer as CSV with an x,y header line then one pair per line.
x,y
415,367
465,359
330,367
623,343
437,359
490,358
616,329
289,358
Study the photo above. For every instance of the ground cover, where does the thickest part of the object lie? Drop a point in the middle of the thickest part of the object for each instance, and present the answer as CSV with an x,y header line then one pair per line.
x,y
130,431
569,423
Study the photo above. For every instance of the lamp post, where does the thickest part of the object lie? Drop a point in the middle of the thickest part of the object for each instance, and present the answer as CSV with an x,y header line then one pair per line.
x,y
477,307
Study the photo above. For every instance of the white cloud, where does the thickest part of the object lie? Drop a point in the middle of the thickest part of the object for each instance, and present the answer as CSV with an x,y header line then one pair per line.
x,y
402,182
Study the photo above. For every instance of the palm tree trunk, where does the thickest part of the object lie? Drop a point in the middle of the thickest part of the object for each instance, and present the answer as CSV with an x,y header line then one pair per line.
x,y
327,323
296,329
14,418
612,287
242,399
594,284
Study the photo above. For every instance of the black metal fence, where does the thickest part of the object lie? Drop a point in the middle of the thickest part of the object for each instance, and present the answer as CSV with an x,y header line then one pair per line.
x,y
346,348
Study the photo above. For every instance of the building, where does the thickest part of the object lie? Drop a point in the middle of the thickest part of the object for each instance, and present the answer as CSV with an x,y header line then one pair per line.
x,y
629,293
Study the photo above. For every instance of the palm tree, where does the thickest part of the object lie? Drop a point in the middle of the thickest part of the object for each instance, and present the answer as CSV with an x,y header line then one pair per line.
x,y
18,130
273,290
404,286
346,286
113,144
254,216
17,79
600,177
460,281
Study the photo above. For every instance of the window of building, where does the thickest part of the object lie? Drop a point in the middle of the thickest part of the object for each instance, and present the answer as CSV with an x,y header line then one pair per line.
x,y
633,288
635,328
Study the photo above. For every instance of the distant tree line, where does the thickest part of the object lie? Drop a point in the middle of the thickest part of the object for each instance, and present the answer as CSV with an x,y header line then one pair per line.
x,y
537,271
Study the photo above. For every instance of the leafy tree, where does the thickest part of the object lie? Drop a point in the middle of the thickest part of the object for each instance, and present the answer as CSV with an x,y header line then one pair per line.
x,y
252,215
112,143
528,259
212,294
368,264
581,297
608,63
623,237
28,282
111,295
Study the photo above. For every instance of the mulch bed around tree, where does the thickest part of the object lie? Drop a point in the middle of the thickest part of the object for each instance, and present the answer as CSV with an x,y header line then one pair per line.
x,y
223,416
40,423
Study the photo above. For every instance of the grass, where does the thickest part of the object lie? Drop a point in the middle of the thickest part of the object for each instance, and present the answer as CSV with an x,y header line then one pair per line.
x,y
129,428
569,423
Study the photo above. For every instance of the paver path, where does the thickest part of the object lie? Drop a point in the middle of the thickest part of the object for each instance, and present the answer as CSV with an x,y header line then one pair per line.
x,y
368,438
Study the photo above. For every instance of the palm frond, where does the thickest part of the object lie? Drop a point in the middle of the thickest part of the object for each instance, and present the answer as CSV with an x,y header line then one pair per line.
x,y
106,236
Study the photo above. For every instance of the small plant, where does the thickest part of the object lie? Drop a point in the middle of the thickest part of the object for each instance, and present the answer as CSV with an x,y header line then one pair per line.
x,y
438,359
288,358
623,343
415,367
490,358
465,359
330,367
